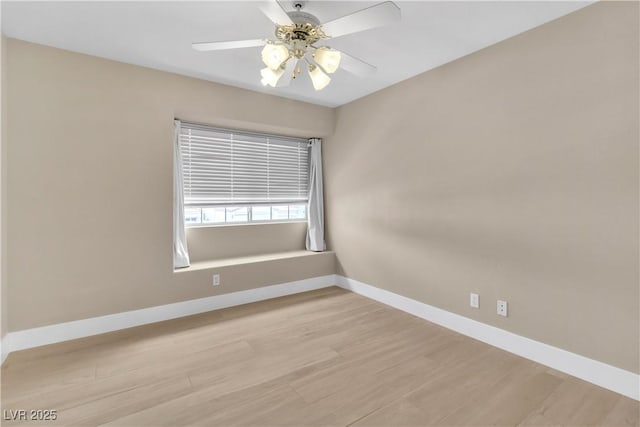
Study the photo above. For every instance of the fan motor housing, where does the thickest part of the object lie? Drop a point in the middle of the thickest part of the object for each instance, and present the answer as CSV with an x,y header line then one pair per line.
x,y
305,28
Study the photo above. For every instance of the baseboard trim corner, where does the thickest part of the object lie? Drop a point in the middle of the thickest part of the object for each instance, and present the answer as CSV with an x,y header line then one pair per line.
x,y
36,337
596,372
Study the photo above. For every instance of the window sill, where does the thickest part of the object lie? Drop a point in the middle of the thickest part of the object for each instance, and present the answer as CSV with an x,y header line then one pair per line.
x,y
227,262
237,224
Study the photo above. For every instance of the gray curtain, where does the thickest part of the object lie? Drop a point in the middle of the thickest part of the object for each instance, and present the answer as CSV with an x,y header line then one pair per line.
x,y
180,251
315,216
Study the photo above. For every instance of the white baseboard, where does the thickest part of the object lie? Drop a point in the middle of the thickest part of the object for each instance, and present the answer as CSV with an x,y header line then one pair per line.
x,y
36,337
4,348
599,373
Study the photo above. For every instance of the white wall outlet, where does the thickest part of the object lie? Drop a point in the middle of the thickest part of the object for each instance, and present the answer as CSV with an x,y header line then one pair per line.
x,y
474,300
216,280
502,308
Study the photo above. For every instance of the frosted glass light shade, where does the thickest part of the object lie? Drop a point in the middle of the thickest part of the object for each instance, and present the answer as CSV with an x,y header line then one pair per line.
x,y
270,77
273,55
319,79
327,58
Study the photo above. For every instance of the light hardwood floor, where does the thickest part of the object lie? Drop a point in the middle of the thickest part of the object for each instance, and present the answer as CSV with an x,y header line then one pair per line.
x,y
327,357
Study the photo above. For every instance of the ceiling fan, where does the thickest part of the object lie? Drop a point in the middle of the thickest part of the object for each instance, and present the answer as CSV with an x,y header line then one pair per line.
x,y
297,35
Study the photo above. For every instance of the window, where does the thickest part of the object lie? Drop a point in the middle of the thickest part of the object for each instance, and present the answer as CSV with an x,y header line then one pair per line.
x,y
234,177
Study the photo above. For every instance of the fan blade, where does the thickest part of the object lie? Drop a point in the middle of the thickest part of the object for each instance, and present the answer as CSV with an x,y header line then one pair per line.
x,y
275,13
372,17
285,80
356,66
236,44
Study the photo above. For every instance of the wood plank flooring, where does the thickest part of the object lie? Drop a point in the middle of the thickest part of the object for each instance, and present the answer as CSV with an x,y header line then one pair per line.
x,y
322,358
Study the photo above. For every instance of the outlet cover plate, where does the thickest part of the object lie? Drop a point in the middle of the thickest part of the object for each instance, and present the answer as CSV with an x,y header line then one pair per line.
x,y
474,300
501,308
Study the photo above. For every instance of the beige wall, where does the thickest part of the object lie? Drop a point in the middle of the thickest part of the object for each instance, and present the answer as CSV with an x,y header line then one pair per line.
x,y
4,319
90,193
512,172
254,239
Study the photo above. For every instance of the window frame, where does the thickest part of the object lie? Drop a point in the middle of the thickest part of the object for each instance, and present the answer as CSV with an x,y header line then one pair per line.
x,y
243,203
250,221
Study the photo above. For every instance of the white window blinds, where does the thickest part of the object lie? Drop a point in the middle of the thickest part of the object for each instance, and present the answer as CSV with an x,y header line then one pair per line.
x,y
226,167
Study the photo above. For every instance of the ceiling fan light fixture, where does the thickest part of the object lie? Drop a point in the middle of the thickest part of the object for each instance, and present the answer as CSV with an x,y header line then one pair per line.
x,y
274,55
297,35
327,58
319,79
270,77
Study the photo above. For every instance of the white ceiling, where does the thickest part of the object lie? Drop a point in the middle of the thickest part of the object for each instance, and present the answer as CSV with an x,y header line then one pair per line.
x,y
159,35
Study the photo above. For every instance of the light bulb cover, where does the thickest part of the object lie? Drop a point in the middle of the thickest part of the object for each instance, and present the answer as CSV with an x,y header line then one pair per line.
x,y
270,77
319,79
273,55
327,58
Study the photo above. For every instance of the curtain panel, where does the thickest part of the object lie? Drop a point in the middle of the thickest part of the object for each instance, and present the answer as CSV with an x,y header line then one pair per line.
x,y
180,250
315,218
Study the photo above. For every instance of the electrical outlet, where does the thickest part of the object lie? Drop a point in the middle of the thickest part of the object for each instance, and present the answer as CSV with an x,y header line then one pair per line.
x,y
502,308
216,280
474,300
